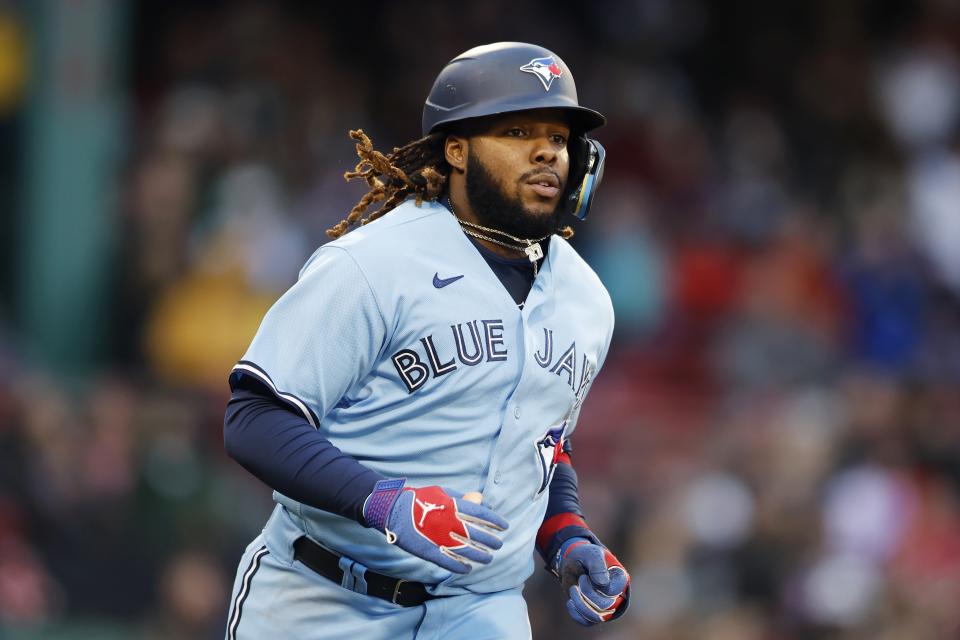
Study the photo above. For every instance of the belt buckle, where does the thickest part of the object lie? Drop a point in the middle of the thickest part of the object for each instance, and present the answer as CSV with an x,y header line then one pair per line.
x,y
396,590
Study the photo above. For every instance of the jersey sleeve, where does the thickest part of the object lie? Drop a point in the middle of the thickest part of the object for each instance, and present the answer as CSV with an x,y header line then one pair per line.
x,y
320,338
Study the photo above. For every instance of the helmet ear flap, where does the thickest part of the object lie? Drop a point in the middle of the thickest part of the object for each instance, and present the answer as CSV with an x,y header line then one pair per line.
x,y
587,157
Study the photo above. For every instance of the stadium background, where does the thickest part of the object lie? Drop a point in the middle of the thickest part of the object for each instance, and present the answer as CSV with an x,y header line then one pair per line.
x,y
773,447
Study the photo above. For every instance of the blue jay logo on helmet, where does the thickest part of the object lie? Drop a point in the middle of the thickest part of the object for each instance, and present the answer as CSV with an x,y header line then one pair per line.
x,y
546,69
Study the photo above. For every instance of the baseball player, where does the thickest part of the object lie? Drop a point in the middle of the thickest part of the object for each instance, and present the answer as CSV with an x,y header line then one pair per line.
x,y
412,397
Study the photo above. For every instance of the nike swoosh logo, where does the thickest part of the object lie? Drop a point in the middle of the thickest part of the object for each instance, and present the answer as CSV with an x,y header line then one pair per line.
x,y
440,283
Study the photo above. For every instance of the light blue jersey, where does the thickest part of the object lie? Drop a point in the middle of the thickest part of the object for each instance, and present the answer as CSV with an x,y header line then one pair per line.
x,y
400,344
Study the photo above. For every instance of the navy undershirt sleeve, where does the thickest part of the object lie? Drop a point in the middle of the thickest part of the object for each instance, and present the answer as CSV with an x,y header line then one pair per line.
x,y
276,444
564,494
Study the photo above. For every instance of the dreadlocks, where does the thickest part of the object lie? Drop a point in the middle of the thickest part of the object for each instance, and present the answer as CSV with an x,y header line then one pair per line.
x,y
418,168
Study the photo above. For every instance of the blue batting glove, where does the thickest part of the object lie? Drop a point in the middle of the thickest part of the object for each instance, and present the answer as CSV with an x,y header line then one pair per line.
x,y
435,524
596,582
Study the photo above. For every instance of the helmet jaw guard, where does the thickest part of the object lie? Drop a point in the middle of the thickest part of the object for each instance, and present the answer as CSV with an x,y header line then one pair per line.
x,y
588,161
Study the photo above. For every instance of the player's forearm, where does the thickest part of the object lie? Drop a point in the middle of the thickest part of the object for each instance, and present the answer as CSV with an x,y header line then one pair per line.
x,y
564,518
282,449
564,492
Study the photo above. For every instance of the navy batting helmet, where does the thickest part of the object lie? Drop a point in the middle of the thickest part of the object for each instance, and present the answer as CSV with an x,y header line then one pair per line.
x,y
505,77
501,78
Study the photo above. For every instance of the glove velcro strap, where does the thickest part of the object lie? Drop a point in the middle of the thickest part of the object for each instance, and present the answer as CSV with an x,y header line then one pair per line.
x,y
564,549
558,529
376,511
568,544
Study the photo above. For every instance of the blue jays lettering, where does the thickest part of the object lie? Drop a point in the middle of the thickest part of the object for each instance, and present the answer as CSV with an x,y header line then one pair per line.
x,y
486,344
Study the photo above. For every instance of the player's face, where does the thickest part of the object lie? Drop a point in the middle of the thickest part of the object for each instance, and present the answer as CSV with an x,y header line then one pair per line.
x,y
516,171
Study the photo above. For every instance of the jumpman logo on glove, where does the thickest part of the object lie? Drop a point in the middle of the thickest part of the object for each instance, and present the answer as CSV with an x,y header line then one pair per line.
x,y
427,508
459,535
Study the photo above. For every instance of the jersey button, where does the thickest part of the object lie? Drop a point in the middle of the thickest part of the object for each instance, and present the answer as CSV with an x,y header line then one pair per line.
x,y
516,413
496,478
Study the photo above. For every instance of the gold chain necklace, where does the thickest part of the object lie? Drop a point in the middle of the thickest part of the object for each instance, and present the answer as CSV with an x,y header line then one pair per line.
x,y
528,246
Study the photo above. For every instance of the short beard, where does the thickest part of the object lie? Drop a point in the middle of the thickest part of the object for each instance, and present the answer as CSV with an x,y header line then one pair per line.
x,y
493,208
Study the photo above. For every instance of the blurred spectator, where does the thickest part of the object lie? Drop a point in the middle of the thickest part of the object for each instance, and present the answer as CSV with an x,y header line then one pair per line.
x,y
193,596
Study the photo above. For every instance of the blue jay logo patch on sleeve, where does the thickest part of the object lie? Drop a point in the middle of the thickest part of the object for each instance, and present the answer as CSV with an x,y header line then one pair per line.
x,y
549,449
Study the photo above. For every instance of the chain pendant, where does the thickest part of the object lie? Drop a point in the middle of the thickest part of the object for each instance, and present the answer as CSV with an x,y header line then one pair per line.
x,y
534,252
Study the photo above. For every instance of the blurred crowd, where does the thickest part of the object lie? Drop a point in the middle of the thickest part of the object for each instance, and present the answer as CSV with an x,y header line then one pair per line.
x,y
773,446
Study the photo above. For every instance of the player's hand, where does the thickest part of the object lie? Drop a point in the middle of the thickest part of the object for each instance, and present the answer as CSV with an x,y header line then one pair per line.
x,y
596,582
435,524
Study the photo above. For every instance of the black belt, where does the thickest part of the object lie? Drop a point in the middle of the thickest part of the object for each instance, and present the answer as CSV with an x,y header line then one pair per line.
x,y
402,592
